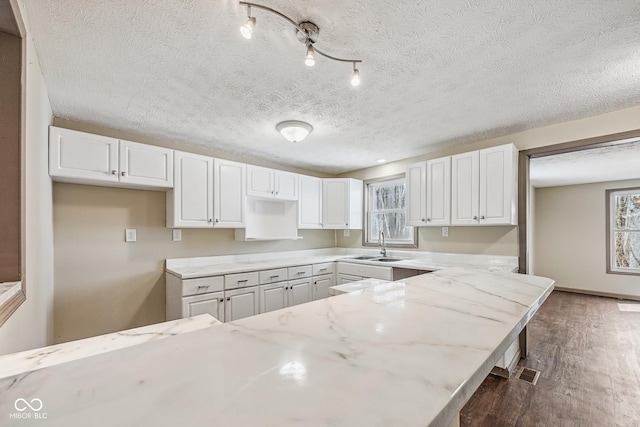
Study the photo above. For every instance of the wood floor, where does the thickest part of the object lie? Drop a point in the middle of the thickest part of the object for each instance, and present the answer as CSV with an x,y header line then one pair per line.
x,y
588,353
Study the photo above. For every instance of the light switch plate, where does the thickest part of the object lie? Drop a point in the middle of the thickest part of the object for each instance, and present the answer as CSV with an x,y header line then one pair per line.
x,y
445,231
130,235
177,235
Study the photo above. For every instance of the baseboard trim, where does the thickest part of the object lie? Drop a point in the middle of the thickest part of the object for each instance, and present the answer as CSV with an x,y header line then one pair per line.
x,y
597,293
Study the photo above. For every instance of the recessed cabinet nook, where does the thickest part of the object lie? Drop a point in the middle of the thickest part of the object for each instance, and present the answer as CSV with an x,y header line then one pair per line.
x,y
473,188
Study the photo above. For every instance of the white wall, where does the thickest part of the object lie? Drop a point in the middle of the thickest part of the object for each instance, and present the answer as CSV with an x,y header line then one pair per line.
x,y
570,239
32,324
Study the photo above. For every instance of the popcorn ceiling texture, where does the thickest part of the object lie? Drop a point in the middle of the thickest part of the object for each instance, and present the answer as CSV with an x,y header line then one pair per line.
x,y
435,73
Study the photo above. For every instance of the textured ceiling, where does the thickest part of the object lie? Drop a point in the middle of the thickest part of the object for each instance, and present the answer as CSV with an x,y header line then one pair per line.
x,y
615,163
435,73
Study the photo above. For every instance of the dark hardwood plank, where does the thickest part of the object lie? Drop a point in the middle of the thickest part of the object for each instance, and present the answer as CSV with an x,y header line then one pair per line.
x,y
588,355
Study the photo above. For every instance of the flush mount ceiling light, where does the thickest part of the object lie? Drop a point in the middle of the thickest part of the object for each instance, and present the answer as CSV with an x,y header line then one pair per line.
x,y
294,130
306,32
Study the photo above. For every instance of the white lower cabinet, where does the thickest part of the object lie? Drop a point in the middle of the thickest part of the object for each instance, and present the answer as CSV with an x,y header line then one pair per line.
x,y
191,297
276,296
348,278
241,303
321,285
212,303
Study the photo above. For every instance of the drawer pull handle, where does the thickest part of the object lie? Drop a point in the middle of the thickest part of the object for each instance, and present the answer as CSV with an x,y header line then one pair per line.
x,y
243,281
274,277
300,272
323,269
203,287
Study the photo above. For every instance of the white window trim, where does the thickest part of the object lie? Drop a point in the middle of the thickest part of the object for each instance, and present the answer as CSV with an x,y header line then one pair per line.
x,y
611,230
367,218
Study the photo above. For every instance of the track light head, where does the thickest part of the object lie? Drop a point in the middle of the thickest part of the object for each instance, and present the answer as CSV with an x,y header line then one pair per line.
x,y
247,29
355,79
309,60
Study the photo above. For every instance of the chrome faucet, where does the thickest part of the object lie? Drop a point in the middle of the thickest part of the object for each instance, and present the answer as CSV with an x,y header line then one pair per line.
x,y
383,251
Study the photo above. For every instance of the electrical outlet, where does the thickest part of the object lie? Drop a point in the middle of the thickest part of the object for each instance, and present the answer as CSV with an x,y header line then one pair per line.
x,y
130,235
346,233
177,235
445,231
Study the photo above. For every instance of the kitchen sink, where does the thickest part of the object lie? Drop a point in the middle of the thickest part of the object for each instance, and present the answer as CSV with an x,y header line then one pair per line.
x,y
365,257
386,259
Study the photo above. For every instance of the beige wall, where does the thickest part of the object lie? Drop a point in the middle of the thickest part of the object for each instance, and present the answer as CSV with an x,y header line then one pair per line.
x,y
570,236
104,284
32,324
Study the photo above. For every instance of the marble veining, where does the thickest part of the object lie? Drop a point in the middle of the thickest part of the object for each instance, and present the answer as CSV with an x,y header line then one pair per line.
x,y
189,268
406,353
52,355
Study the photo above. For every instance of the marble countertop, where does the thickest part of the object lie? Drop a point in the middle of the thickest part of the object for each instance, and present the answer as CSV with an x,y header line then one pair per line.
x,y
189,268
31,360
406,353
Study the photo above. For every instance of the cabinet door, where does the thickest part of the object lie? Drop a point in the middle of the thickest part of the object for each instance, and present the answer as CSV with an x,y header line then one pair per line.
x,y
143,164
416,203
80,155
229,190
286,185
190,204
310,202
212,303
439,191
335,203
498,183
321,287
273,297
465,188
241,303
299,292
260,181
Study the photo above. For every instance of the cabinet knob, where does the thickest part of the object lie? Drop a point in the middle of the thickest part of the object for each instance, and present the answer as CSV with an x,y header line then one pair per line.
x,y
114,172
475,217
123,173
422,220
428,219
210,220
482,217
217,220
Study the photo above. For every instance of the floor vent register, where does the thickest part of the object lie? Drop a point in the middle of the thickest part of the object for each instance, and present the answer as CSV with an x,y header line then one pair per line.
x,y
527,374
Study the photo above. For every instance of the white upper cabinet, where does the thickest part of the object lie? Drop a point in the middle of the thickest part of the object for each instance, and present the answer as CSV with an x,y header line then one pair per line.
x,y
416,203
439,192
82,156
144,164
465,188
342,200
86,158
271,183
190,203
499,185
310,202
229,190
484,187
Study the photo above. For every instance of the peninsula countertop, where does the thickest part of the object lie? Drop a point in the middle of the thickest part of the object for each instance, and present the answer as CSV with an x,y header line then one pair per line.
x,y
406,353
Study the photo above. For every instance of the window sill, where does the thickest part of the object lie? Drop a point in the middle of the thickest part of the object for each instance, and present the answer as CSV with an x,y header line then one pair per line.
x,y
11,296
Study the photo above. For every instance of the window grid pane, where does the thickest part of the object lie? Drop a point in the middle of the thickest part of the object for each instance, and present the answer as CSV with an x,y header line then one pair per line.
x,y
387,212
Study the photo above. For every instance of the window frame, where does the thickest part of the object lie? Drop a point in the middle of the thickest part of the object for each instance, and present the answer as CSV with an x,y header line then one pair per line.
x,y
611,230
367,216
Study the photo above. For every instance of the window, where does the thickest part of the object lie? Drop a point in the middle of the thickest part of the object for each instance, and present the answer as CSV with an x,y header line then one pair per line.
x,y
623,218
385,212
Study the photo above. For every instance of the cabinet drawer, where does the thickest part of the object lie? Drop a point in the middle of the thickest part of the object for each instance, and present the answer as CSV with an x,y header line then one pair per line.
x,y
240,280
299,272
366,271
324,268
202,285
272,276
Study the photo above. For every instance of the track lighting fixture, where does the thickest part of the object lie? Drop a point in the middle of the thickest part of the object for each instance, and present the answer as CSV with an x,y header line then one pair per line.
x,y
306,32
